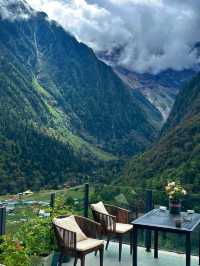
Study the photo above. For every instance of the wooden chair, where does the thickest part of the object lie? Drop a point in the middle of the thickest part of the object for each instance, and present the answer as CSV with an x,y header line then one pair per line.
x,y
68,244
115,222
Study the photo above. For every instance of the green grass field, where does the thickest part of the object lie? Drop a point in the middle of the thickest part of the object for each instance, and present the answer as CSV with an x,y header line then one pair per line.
x,y
44,195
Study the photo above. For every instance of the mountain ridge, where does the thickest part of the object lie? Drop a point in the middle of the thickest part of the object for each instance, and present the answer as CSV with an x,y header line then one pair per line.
x,y
54,89
176,156
159,89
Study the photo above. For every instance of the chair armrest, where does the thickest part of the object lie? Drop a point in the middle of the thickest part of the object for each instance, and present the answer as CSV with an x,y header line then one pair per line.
x,y
122,215
65,239
107,221
90,228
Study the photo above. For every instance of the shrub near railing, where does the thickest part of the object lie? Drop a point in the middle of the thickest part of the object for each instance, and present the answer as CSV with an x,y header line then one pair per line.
x,y
34,238
36,235
12,252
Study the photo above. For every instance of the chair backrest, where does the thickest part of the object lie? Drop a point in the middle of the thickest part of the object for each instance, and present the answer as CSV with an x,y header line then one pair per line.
x,y
69,223
99,207
91,228
122,215
66,240
107,221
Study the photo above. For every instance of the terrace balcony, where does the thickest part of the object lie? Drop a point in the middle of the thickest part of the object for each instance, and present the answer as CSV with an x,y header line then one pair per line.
x,y
167,241
79,198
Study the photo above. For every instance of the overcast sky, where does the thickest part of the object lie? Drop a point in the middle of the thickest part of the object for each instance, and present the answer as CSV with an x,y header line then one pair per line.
x,y
154,34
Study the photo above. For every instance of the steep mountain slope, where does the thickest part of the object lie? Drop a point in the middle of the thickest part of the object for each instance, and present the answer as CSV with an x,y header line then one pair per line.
x,y
33,155
159,89
57,99
187,105
94,101
177,154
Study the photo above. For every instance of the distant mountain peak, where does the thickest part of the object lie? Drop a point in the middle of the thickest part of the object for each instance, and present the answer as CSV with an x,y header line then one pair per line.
x,y
15,9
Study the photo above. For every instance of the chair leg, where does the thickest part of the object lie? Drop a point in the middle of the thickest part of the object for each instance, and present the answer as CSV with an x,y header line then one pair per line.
x,y
120,247
101,256
60,259
95,252
107,243
83,261
75,261
131,241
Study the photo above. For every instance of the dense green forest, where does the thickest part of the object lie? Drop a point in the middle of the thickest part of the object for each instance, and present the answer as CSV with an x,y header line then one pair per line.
x,y
176,156
84,94
64,114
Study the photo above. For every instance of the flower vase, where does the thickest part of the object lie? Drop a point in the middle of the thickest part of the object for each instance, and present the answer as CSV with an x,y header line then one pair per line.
x,y
174,206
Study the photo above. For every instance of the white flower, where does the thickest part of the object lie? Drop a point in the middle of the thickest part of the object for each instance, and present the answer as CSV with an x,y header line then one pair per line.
x,y
167,188
184,192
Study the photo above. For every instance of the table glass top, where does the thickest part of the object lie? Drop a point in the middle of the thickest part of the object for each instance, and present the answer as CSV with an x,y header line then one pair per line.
x,y
165,220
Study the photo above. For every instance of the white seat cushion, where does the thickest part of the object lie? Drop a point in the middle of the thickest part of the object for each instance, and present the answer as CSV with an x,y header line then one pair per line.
x,y
88,244
69,223
99,207
123,228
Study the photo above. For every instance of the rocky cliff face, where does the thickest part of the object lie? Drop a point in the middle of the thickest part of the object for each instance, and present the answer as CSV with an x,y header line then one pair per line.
x,y
159,89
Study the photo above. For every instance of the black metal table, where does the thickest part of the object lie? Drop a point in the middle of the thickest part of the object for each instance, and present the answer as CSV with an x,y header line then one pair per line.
x,y
157,220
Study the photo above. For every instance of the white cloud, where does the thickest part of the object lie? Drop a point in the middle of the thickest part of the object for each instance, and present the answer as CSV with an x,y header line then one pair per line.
x,y
155,34
14,9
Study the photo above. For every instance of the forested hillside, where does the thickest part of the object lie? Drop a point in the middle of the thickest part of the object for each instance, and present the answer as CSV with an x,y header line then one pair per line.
x,y
177,154
33,156
63,111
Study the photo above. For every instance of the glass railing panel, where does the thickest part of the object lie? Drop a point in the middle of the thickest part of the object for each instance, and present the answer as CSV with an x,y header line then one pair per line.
x,y
22,208
70,201
123,197
135,201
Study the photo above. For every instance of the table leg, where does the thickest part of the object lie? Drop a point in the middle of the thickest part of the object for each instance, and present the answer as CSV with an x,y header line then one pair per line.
x,y
199,246
148,240
188,249
134,245
155,244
